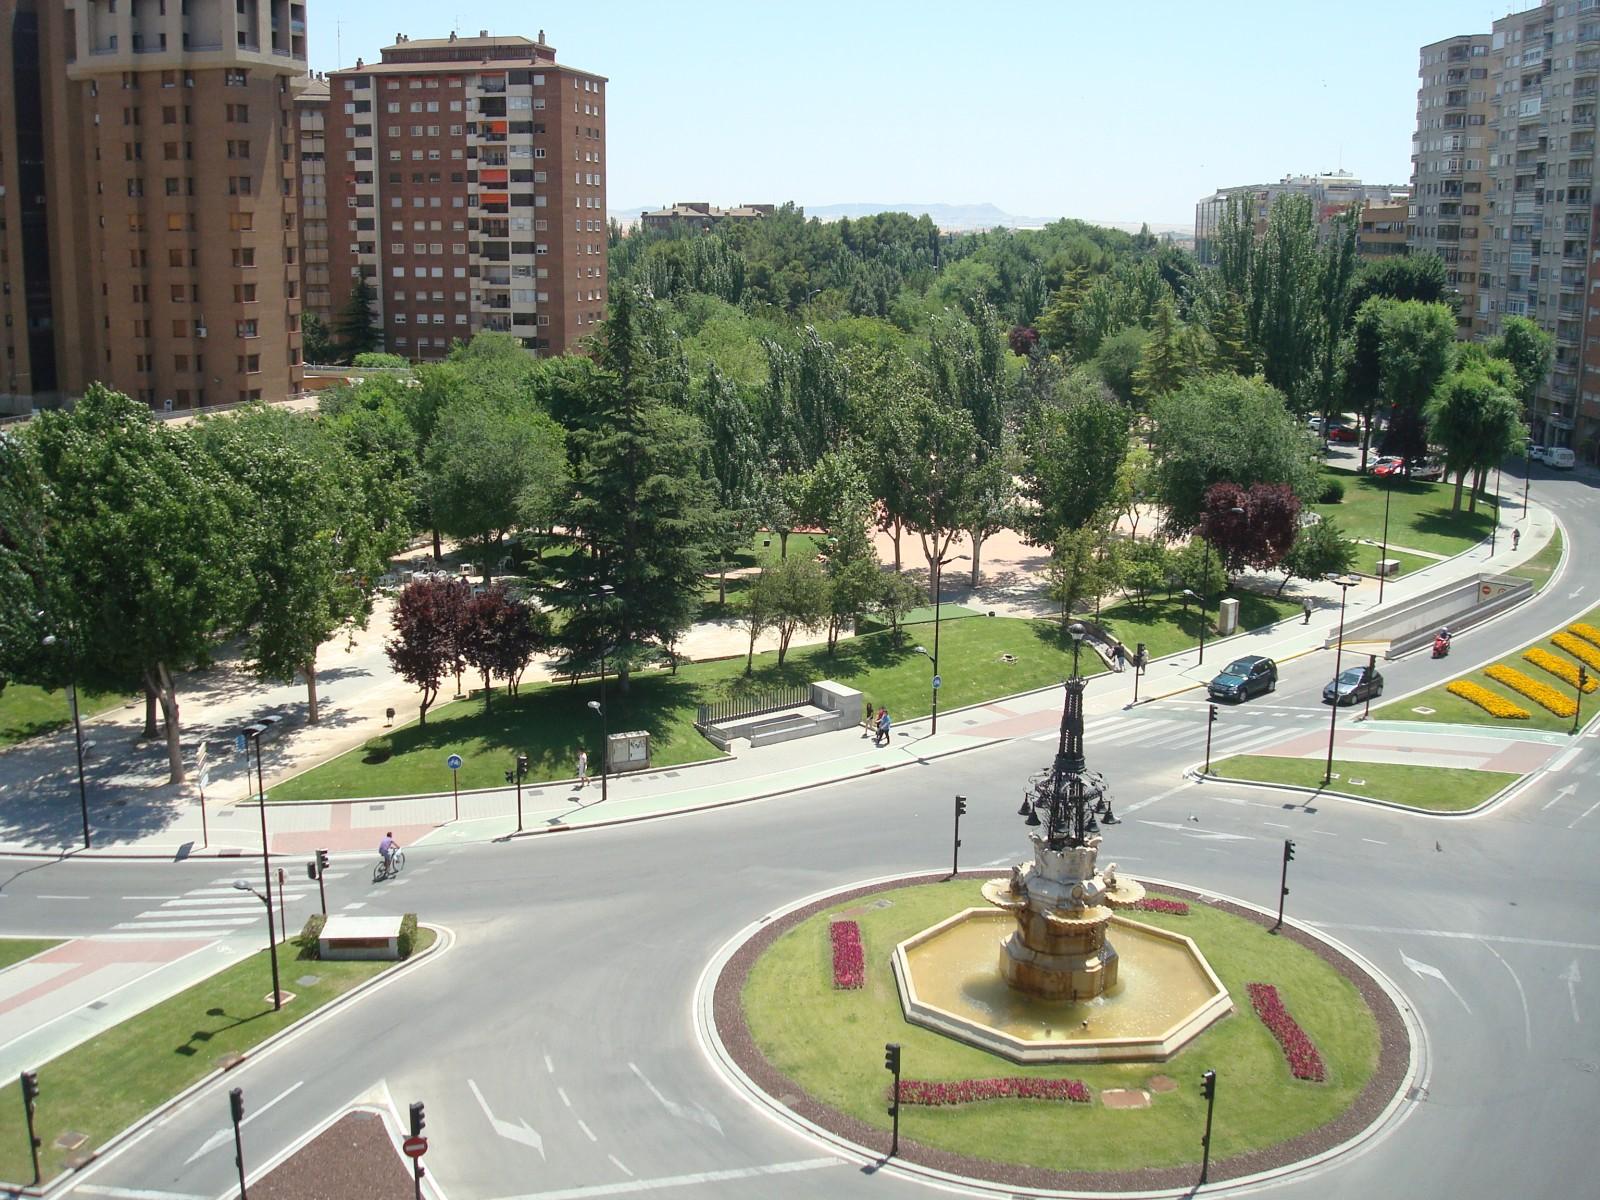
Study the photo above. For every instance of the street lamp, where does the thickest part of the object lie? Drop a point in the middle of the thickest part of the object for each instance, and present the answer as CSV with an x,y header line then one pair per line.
x,y
1494,534
1383,554
934,657
1201,604
1345,583
605,740
254,734
272,938
77,730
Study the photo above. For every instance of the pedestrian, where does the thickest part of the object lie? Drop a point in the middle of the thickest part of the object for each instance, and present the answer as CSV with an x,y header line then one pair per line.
x,y
883,727
868,721
1516,538
583,768
1306,607
1122,658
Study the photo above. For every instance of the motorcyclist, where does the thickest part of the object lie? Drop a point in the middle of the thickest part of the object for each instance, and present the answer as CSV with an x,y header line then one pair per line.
x,y
1442,642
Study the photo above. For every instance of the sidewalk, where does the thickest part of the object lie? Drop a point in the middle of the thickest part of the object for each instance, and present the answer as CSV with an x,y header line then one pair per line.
x,y
151,822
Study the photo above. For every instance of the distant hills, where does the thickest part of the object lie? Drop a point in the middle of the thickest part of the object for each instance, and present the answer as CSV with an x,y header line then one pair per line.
x,y
946,216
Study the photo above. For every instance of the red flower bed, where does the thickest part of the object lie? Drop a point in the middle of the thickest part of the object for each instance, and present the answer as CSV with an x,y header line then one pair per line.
x,y
1153,904
1304,1061
970,1091
849,964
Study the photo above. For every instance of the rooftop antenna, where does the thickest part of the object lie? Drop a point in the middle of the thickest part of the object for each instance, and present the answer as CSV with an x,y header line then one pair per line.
x,y
338,41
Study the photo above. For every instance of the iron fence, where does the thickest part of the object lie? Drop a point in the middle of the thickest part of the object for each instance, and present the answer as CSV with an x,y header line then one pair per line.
x,y
752,704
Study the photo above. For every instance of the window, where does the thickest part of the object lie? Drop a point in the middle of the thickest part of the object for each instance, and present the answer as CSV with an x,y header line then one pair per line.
x,y
245,329
244,293
241,222
235,78
238,185
239,114
244,256
250,364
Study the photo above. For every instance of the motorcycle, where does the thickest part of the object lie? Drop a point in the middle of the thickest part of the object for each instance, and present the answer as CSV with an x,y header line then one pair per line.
x,y
1441,646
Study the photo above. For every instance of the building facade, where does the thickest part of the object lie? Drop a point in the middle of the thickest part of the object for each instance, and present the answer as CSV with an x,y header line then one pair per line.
x,y
466,185
1330,195
701,214
150,201
1382,233
311,110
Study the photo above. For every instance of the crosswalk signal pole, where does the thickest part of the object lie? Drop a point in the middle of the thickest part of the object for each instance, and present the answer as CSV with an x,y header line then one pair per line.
x,y
1208,1089
1283,882
30,1104
1211,719
955,852
891,1062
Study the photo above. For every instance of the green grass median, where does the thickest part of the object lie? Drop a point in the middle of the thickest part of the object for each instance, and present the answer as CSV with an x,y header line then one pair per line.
x,y
1419,513
1542,566
97,1089
14,950
27,711
1434,789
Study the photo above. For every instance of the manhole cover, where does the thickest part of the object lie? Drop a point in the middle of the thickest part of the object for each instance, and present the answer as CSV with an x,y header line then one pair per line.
x,y
1125,1098
1354,782
376,807
309,980
97,1005
1163,1083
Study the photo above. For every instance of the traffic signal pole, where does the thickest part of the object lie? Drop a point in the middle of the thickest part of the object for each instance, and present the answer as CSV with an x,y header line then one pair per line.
x,y
955,851
891,1062
1208,1089
1211,719
30,1102
1283,881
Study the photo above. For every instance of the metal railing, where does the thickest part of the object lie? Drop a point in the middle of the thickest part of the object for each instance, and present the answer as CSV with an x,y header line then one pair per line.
x,y
754,704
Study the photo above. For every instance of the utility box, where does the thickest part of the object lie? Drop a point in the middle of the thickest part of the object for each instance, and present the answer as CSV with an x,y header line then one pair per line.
x,y
1388,566
1228,617
628,751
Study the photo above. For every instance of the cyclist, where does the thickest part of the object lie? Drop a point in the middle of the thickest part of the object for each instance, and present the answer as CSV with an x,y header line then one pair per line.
x,y
386,849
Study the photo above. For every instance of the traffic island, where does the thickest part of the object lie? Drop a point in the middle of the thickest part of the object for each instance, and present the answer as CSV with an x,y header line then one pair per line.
x,y
1424,788
93,1094
817,1050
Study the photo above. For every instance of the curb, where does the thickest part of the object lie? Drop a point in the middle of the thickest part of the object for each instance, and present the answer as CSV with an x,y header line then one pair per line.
x,y
444,940
1477,810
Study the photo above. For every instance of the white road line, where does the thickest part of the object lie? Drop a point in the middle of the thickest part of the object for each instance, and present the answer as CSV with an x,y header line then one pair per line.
x,y
1572,977
1277,825
1374,842
522,1133
1586,812
1565,757
119,1193
1502,939
549,1066
1527,1020
1420,969
186,908
356,904
43,897
631,1186
617,1162
1148,801
686,1112
149,897
1322,832
587,1130
212,924
562,1092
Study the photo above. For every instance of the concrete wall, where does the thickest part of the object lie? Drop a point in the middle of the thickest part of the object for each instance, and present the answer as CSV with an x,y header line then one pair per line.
x,y
1460,605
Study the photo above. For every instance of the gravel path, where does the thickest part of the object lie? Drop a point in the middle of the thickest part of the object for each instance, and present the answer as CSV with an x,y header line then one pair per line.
x,y
353,1159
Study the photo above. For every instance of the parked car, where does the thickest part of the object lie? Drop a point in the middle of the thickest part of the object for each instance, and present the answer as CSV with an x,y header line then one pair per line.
x,y
1343,433
1535,453
1427,469
1243,678
1353,686
1314,423
1560,457
1390,465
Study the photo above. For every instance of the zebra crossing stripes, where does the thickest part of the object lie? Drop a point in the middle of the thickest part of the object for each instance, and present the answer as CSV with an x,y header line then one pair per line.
x,y
1167,733
214,909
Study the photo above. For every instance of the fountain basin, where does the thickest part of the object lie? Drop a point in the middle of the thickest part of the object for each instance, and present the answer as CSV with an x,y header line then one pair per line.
x,y
1164,996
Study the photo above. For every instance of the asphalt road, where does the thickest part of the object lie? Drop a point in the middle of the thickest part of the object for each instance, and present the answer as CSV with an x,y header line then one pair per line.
x,y
553,1040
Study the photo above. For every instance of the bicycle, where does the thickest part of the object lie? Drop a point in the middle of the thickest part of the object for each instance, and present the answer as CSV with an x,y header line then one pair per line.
x,y
389,870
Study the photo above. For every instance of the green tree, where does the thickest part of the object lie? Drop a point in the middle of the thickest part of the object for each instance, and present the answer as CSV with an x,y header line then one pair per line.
x,y
898,595
1145,568
1085,565
1119,360
1476,420
1362,349
24,584
1415,351
755,615
356,326
796,596
1320,549
1073,449
316,342
733,464
1407,277
1196,566
1529,350
1168,356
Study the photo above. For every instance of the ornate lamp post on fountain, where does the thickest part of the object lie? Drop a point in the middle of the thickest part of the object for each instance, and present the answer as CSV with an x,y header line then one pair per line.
x,y
1069,794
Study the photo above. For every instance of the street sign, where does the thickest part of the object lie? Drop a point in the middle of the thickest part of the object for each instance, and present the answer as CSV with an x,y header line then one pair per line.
x,y
205,777
200,757
238,743
453,762
937,683
415,1147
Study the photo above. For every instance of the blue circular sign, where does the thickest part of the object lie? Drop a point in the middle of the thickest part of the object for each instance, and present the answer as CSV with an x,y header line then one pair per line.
x,y
937,683
453,762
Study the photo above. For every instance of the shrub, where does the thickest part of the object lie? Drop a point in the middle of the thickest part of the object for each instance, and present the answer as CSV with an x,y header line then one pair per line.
x,y
309,946
1494,705
1304,1060
408,934
1578,649
1332,492
969,1091
1560,668
849,964
1586,631
1540,693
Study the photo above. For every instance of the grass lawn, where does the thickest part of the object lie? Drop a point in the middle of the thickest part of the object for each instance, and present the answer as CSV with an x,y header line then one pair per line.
x,y
1165,627
1541,568
924,616
152,1057
1367,561
1436,789
14,950
1451,709
550,721
1419,513
831,1043
27,711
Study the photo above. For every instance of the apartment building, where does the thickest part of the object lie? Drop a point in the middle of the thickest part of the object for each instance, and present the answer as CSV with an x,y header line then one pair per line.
x,y
1382,231
1331,194
701,214
310,111
148,200
466,184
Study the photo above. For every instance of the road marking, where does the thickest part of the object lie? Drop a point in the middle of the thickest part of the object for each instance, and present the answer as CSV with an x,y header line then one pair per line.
x,y
1586,812
1560,796
1374,841
587,1130
63,897
687,1112
522,1133
562,1092
1527,1021
628,1187
222,1135
1208,834
356,904
120,1193
1277,825
1322,832
1572,978
1502,939
617,1162
1564,758
1421,969
1133,808
550,1067
197,924
149,897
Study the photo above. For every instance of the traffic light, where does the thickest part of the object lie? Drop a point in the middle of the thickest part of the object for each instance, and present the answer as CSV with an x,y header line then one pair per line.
x,y
511,776
1213,709
961,806
322,860
311,870
1288,850
417,1118
891,1057
522,766
30,1087
1208,1085
1141,656
236,1103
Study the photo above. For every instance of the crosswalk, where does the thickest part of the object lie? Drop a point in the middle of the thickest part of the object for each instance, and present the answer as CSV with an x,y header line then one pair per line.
x,y
215,909
1164,733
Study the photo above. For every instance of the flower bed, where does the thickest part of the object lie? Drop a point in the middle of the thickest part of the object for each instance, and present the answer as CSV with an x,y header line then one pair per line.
x,y
1494,705
1540,693
849,964
1304,1061
1578,649
1560,668
971,1091
1155,904
1586,631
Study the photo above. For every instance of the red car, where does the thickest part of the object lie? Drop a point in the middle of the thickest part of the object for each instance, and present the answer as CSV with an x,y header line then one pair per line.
x,y
1343,433
1389,466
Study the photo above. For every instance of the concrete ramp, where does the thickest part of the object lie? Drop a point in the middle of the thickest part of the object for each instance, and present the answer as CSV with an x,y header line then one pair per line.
x,y
1413,623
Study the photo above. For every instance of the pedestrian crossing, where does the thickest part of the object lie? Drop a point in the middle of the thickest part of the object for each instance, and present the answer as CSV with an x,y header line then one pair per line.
x,y
1162,733
216,908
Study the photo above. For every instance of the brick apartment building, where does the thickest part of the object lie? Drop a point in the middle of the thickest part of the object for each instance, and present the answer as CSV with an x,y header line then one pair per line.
x,y
701,214
1330,195
466,183
311,110
148,200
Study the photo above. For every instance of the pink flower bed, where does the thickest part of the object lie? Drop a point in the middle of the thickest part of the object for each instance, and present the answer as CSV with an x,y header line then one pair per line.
x,y
1304,1061
970,1091
1153,904
849,964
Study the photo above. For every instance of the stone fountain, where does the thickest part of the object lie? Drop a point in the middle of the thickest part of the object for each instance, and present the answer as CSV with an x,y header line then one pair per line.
x,y
1037,977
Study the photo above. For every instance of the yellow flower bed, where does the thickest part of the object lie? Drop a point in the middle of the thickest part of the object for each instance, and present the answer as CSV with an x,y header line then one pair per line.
x,y
1495,706
1579,650
1540,693
1587,632
1560,668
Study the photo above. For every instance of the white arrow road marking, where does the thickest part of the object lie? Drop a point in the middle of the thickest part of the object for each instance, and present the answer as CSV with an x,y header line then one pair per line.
x,y
222,1135
1210,834
1560,796
522,1133
1420,969
1575,593
1572,978
687,1112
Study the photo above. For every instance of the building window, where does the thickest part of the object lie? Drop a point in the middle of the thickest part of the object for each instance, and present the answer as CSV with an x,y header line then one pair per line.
x,y
235,78
246,329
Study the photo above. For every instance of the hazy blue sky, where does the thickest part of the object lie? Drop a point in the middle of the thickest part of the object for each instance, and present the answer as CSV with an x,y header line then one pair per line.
x,y
1109,111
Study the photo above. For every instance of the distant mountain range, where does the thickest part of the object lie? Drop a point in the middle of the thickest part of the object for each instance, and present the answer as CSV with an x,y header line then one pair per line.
x,y
945,216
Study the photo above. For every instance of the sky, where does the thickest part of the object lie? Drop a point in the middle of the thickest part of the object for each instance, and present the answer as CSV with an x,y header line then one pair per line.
x,y
1101,111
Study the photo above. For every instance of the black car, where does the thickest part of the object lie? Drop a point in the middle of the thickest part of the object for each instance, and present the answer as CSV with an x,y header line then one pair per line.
x,y
1354,685
1243,678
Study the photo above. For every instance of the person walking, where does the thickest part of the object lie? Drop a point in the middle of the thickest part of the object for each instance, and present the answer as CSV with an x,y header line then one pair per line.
x,y
868,720
1305,606
1121,657
583,768
884,725
1516,538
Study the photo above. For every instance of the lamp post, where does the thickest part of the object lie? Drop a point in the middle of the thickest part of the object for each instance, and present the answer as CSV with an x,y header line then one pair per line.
x,y
1494,534
1577,712
1383,555
1345,583
934,657
605,740
1201,604
77,730
272,938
